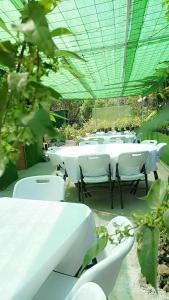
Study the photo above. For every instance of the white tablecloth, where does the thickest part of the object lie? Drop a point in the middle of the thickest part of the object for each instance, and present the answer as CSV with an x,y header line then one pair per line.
x,y
37,236
69,156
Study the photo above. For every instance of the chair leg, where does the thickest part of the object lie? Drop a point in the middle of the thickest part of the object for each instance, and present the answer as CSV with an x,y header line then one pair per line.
x,y
155,175
120,190
82,191
135,187
146,182
79,191
112,189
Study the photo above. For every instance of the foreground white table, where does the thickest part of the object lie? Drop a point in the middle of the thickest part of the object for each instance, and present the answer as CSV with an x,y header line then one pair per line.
x,y
35,237
69,155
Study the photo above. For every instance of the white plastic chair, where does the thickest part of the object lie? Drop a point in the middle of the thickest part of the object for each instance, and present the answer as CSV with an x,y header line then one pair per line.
x,y
93,169
89,291
131,167
116,140
154,142
160,148
100,132
88,142
44,187
97,139
104,273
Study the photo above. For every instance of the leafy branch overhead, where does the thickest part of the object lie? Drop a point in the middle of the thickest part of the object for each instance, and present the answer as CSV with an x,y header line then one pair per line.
x,y
30,54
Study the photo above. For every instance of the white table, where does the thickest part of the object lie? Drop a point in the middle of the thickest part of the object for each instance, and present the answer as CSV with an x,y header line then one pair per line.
x,y
69,155
37,236
129,137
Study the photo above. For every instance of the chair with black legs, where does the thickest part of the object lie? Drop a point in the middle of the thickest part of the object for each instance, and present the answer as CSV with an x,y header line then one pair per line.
x,y
94,169
131,167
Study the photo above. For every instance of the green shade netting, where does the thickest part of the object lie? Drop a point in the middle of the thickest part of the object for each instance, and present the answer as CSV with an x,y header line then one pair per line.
x,y
122,41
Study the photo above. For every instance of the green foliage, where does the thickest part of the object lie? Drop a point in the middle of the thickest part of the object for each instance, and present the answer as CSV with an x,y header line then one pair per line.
x,y
49,4
153,228
4,27
102,238
152,233
40,123
160,120
86,110
93,252
157,194
147,251
166,219
8,54
25,100
39,34
90,126
60,31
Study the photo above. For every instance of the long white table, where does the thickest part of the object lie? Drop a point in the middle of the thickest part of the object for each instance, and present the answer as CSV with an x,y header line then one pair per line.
x,y
69,155
129,137
37,237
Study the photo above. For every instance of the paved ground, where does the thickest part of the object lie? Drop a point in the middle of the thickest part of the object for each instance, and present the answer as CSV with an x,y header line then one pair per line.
x,y
128,284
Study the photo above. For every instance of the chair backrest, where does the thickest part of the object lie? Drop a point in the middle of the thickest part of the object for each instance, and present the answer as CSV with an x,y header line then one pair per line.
x,y
131,163
154,142
116,140
105,272
97,139
88,291
94,165
160,148
100,132
88,142
45,187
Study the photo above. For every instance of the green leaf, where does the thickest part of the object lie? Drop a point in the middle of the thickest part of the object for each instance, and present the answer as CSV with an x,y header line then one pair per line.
x,y
156,194
3,101
49,4
60,31
4,27
52,118
41,124
74,72
40,36
65,53
59,116
93,252
7,54
43,91
166,218
147,251
158,121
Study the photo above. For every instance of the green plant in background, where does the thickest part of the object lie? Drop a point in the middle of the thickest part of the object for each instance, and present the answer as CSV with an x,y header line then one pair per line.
x,y
29,54
72,133
152,233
